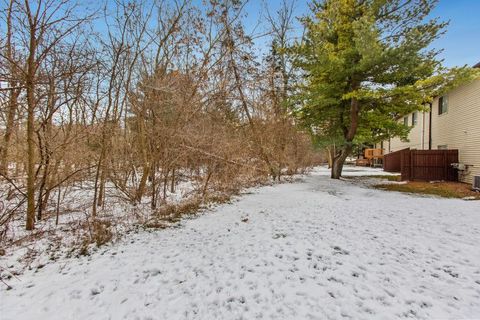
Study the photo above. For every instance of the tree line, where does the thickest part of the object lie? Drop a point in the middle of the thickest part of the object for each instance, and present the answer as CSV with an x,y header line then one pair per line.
x,y
134,96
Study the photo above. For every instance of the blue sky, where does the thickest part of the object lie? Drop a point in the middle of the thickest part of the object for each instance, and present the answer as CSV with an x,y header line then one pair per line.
x,y
461,43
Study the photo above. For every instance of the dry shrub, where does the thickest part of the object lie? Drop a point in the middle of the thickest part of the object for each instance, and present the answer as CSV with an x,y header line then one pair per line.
x,y
155,223
219,197
172,212
101,232
127,135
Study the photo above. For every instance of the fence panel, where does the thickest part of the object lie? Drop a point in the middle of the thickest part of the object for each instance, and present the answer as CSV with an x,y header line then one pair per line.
x,y
392,161
428,165
405,165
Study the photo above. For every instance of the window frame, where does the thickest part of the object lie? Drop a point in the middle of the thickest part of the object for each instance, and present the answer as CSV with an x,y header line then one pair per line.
x,y
414,118
442,105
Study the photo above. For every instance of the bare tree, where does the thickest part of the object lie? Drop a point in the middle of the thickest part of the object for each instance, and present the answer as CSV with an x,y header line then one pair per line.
x,y
41,27
170,92
10,76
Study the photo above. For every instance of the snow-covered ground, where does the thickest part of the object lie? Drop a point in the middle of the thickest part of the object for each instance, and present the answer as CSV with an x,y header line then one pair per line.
x,y
313,249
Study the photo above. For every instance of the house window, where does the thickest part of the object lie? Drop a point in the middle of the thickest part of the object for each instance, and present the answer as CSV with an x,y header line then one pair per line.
x,y
405,121
442,104
442,147
414,118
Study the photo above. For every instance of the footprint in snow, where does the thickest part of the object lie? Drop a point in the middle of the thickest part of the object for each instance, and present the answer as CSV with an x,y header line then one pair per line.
x,y
338,250
152,272
96,291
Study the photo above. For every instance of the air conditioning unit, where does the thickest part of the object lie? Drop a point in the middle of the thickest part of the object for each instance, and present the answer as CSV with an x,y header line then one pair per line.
x,y
459,166
476,183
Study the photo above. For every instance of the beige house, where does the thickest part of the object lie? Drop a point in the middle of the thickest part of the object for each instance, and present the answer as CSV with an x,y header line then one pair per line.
x,y
452,123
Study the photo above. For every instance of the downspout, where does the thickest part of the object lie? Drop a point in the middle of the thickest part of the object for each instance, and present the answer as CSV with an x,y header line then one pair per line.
x,y
423,130
430,127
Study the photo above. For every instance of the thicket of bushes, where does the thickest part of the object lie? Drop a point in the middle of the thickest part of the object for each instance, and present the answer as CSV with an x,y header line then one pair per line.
x,y
163,94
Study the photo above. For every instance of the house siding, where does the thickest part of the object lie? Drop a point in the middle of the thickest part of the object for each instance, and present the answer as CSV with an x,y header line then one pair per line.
x,y
417,138
459,127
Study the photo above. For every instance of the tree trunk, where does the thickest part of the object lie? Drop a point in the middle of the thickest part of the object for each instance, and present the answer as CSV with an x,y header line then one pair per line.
x,y
207,180
330,155
42,199
146,166
12,109
172,184
30,162
349,134
143,183
153,203
30,88
165,184
58,205
45,152
339,161
12,95
101,188
95,192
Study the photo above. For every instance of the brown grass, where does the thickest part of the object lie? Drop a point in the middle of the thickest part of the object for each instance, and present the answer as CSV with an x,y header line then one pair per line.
x,y
379,176
442,189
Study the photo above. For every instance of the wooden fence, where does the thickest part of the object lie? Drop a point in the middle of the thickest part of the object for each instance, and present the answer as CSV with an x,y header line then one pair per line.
x,y
392,162
427,165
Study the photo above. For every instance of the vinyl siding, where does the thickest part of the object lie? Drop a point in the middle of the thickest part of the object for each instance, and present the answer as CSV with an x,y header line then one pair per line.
x,y
459,127
417,138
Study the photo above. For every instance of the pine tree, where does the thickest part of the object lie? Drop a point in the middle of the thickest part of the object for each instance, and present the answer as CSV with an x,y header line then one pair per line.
x,y
365,63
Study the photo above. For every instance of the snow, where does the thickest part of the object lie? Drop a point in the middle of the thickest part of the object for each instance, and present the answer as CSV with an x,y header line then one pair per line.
x,y
51,240
311,249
